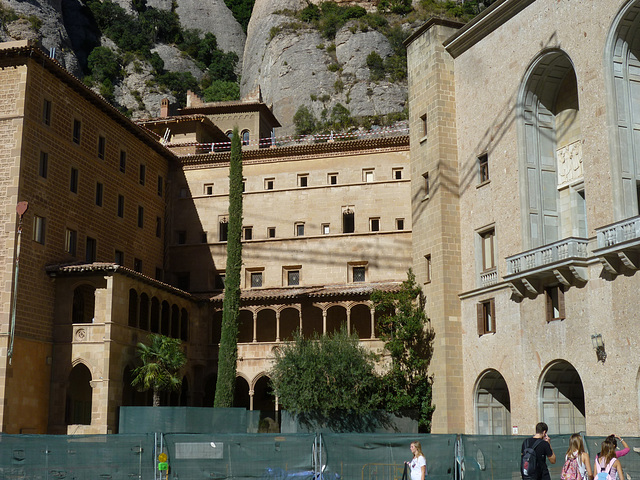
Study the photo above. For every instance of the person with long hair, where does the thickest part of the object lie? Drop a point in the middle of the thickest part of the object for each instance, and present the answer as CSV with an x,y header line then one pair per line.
x,y
606,461
418,463
576,450
624,451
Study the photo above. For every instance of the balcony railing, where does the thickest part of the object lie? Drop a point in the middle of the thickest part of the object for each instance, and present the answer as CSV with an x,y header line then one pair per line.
x,y
547,255
488,278
619,232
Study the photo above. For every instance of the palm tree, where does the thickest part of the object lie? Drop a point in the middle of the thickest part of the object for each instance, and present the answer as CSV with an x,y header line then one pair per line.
x,y
161,361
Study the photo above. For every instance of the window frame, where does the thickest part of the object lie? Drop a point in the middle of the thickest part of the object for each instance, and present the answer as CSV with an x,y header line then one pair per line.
x,y
39,229
71,241
331,177
102,146
123,161
303,180
400,224
554,300
142,175
43,164
91,249
486,316
428,268
374,224
426,185
120,206
298,229
99,194
74,180
208,189
270,183
397,171
76,131
271,230
488,233
247,233
47,105
368,175
483,169
140,216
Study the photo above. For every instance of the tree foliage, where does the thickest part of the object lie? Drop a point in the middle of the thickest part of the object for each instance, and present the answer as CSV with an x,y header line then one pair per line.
x,y
408,337
375,65
228,354
161,362
327,375
221,91
304,121
241,10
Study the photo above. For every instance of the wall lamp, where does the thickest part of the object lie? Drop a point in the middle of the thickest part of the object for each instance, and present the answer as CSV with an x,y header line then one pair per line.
x,y
598,346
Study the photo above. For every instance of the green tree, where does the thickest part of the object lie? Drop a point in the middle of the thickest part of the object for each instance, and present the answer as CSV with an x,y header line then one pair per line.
x,y
375,65
221,91
408,337
161,362
103,64
304,121
329,375
228,353
241,10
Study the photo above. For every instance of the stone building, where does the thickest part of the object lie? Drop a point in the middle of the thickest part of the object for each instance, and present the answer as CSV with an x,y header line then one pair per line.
x,y
525,230
125,234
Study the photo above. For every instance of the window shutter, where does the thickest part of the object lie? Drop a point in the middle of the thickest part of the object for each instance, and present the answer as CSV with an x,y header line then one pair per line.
x,y
561,313
549,304
480,314
492,304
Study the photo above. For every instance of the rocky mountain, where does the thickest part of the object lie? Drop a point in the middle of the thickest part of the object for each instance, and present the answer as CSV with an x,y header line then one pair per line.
x,y
293,66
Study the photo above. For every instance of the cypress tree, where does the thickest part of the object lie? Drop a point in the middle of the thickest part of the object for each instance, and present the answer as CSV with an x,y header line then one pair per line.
x,y
228,354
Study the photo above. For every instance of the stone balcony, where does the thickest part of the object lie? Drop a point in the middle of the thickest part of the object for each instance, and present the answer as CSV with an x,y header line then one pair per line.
x,y
563,262
619,245
489,277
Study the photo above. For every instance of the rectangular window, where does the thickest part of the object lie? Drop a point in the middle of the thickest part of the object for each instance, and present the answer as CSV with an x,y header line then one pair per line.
x,y
423,124
244,184
359,274
488,250
73,181
99,194
43,166
426,185
70,241
102,143
204,238
483,168
90,250
427,265
269,183
299,229
76,131
181,237
143,173
374,224
119,257
140,216
399,223
396,173
208,188
256,279
223,229
486,315
247,233
271,232
581,213
555,303
325,228
38,228
137,265
123,161
293,277
160,185
332,179
158,227
46,112
367,175
121,206
303,180
348,220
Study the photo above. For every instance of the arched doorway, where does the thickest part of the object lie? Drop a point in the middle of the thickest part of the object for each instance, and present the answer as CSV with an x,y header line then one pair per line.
x,y
336,319
492,404
361,321
79,396
562,399
241,398
289,323
263,397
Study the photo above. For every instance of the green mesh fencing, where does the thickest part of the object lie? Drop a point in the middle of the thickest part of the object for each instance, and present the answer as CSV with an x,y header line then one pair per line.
x,y
79,457
187,420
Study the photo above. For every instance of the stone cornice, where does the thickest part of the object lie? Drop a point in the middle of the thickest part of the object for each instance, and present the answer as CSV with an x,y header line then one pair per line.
x,y
489,20
430,23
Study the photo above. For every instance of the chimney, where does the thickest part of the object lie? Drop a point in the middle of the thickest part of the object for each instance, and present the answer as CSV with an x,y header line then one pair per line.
x,y
164,108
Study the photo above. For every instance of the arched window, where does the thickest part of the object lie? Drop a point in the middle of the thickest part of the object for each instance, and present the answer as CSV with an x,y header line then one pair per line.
x,y
133,308
166,319
551,182
144,312
155,315
493,405
245,137
241,399
623,59
175,321
562,399
184,325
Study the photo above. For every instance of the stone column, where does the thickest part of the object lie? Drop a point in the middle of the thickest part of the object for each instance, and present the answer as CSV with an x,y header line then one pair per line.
x,y
349,320
373,321
251,392
277,325
255,327
324,321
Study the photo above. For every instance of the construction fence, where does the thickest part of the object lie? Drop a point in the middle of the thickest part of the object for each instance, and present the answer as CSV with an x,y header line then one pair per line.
x,y
319,456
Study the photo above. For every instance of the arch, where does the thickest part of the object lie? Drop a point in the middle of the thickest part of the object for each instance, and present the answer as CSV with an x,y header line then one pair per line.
x,y
79,396
165,319
175,321
561,398
209,390
361,320
241,398
133,307
266,326
311,320
84,303
216,327
622,60
245,137
155,315
144,312
550,151
492,404
336,318
289,323
184,325
245,326
263,397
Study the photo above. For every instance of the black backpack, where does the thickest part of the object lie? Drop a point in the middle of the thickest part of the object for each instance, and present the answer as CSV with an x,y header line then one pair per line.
x,y
529,461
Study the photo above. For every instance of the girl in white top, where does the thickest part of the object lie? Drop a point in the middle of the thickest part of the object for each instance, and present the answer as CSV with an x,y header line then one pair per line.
x,y
576,450
418,463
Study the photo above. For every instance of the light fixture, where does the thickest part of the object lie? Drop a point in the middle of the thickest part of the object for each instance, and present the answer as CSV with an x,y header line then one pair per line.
x,y
598,346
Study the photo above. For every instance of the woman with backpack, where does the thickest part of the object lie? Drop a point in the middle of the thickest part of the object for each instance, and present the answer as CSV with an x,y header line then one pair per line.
x,y
607,466
577,465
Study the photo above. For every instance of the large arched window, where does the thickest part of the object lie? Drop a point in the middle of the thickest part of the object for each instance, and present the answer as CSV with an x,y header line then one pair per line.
x,y
562,399
623,59
552,186
493,405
